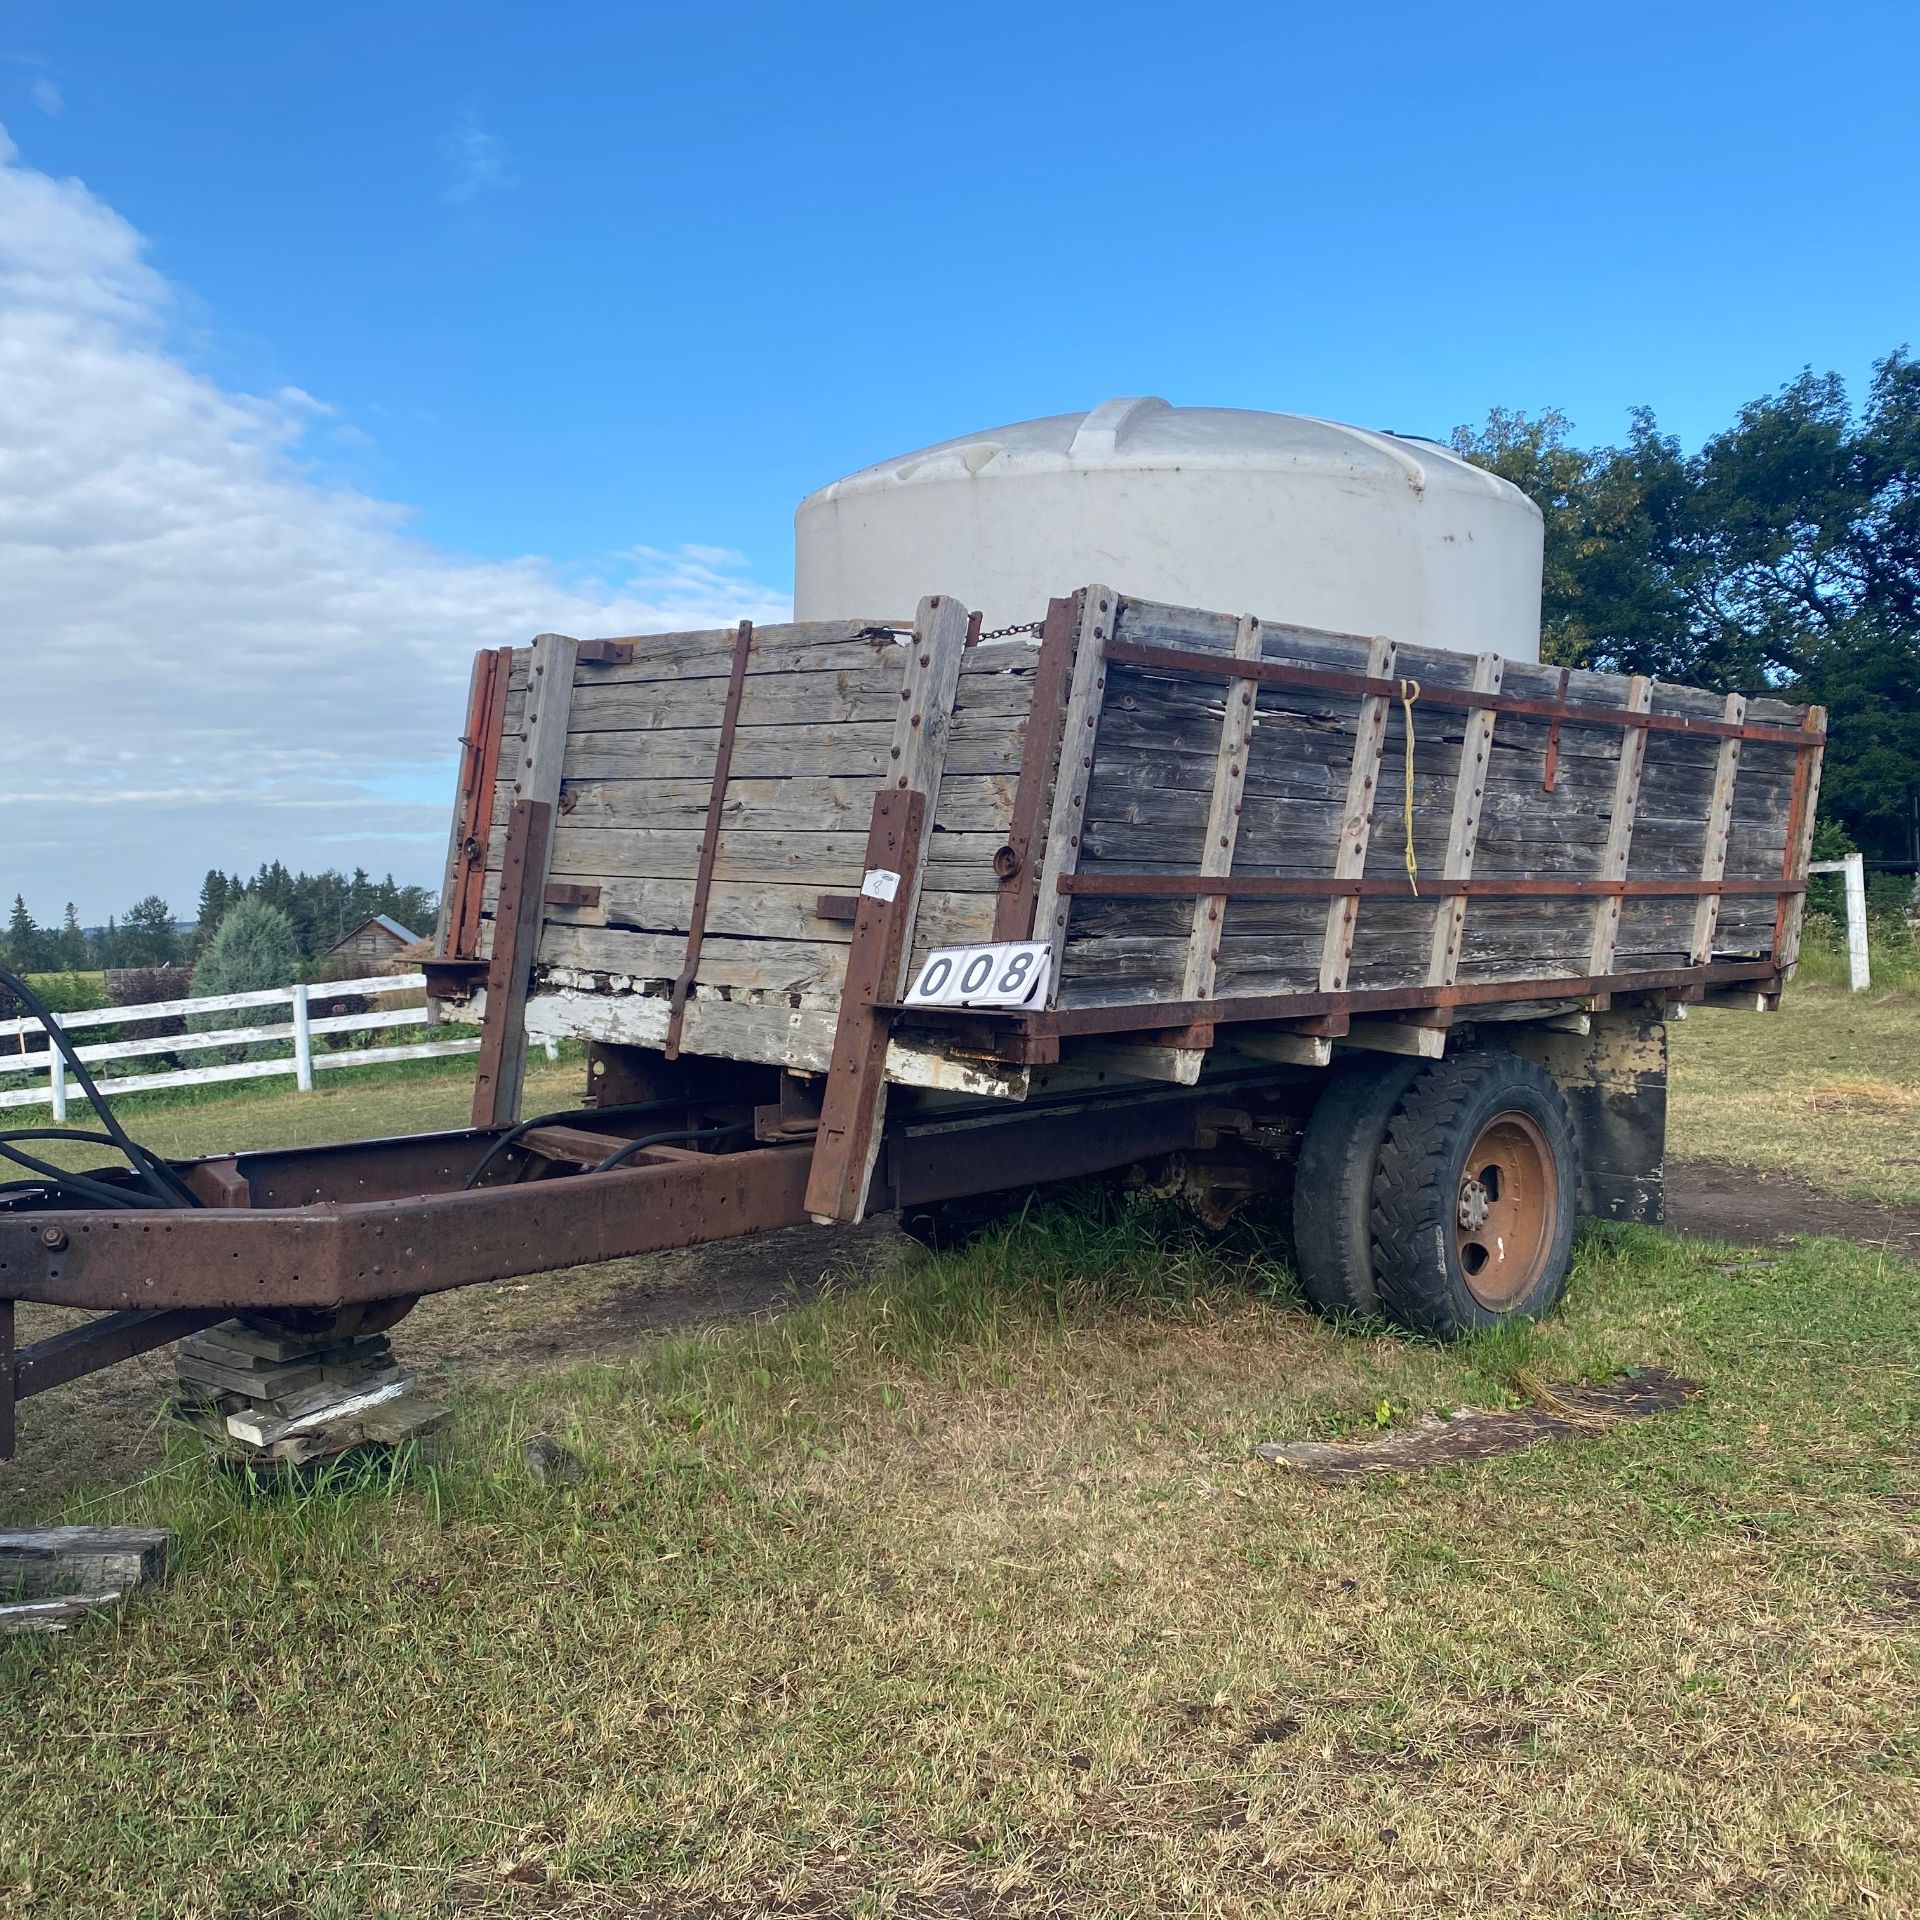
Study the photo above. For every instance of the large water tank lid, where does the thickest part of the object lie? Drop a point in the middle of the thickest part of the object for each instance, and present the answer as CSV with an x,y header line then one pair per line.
x,y
1147,433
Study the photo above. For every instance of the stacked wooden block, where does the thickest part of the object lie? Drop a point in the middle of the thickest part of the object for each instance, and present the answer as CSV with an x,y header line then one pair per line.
x,y
279,1398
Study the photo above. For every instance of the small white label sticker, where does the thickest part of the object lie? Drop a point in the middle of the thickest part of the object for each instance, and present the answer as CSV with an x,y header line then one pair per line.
x,y
881,883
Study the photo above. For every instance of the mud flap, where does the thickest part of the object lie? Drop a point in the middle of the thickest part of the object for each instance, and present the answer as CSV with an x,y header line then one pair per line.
x,y
1615,1080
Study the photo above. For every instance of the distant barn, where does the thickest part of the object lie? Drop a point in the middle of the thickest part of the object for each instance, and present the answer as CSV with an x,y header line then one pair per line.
x,y
372,941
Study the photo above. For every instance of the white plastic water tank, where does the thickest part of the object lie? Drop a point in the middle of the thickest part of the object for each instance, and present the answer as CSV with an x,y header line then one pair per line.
x,y
1294,519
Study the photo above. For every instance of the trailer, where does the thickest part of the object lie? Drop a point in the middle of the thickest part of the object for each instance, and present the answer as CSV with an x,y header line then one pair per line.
x,y
899,915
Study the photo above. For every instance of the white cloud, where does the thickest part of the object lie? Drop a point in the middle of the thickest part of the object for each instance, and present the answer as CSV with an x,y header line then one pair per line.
x,y
208,653
475,160
48,98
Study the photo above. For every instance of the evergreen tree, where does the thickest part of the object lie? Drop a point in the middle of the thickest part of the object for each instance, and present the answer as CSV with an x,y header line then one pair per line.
x,y
215,898
26,944
253,948
147,938
74,953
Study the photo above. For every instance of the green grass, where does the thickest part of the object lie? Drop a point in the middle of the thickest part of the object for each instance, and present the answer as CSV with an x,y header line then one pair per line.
x,y
1893,956
404,1096
1829,1088
961,1593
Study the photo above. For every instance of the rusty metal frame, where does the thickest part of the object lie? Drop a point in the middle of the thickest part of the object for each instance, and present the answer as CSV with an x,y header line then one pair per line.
x,y
1223,666
331,1254
479,774
1799,839
1019,896
1550,764
1150,886
709,839
846,1144
1146,1016
501,1065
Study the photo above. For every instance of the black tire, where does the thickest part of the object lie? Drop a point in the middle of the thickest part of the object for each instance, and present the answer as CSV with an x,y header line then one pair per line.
x,y
1333,1185
1425,1233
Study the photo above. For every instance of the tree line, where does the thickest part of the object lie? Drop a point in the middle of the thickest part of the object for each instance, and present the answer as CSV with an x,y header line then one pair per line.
x,y
1783,556
320,908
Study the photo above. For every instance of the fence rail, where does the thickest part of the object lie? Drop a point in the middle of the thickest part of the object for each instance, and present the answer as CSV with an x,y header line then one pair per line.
x,y
299,1031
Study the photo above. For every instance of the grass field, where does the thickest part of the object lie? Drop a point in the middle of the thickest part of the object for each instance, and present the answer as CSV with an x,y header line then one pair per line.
x,y
959,1594
1828,1089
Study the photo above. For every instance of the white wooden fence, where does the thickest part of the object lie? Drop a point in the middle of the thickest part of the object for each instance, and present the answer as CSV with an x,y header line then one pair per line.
x,y
1854,888
301,1062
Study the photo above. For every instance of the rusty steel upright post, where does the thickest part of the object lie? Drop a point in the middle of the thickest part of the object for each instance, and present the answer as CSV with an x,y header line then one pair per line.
x,y
848,1142
502,1065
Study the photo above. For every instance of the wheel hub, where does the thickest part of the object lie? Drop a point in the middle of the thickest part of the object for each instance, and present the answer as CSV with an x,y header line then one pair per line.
x,y
1504,1216
1475,1202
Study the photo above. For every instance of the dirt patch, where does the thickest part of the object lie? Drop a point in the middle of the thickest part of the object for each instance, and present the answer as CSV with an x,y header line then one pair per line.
x,y
1753,1207
1566,1411
110,1427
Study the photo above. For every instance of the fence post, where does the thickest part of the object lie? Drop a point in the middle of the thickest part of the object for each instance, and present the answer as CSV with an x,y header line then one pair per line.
x,y
57,1082
1859,972
302,1040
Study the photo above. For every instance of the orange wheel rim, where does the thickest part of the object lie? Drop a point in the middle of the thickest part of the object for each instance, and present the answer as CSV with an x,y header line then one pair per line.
x,y
1505,1211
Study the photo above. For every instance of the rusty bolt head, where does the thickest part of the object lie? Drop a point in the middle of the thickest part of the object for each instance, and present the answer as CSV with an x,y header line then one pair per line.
x,y
54,1239
1006,862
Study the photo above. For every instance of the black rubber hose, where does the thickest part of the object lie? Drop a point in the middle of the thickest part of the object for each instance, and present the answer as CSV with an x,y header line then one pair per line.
x,y
154,1173
632,1147
513,1135
59,1178
78,1183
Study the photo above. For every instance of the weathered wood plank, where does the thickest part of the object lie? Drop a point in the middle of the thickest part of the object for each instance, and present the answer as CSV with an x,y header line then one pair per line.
x,y
1078,741
917,759
827,646
824,859
1222,823
1618,849
1463,829
1356,819
1718,832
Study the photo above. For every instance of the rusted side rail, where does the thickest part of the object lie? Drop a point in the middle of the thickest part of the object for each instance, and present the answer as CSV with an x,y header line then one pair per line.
x,y
157,1276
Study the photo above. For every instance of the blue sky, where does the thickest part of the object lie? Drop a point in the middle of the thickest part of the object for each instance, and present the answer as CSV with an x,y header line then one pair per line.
x,y
560,282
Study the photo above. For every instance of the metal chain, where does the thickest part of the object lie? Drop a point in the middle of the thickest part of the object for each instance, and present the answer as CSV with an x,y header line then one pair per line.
x,y
1006,633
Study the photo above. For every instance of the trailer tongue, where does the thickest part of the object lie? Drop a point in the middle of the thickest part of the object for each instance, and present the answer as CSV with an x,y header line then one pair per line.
x,y
869,916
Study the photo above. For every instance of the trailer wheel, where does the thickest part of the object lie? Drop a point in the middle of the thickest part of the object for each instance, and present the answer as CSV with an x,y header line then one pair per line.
x,y
1333,1185
1473,1200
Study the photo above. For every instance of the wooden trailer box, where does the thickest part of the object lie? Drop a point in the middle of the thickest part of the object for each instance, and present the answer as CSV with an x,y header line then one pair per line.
x,y
901,915
1237,838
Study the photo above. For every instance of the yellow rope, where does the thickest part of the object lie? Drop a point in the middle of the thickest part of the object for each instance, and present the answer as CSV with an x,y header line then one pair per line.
x,y
1409,693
